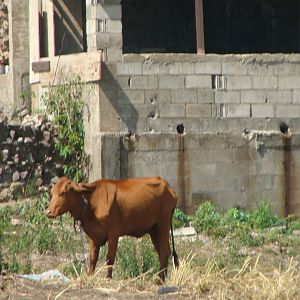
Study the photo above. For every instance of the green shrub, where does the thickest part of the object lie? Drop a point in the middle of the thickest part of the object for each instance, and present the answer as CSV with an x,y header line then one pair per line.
x,y
180,219
207,219
262,217
64,102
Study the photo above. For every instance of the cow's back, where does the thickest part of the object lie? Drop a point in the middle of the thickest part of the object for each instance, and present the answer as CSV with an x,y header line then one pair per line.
x,y
142,202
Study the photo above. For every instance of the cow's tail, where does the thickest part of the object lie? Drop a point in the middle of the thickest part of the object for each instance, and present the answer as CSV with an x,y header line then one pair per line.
x,y
174,254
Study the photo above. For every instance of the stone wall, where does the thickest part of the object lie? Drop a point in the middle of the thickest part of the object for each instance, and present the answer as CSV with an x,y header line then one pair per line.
x,y
26,154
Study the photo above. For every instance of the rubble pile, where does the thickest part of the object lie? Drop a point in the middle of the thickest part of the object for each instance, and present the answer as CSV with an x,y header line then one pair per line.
x,y
26,154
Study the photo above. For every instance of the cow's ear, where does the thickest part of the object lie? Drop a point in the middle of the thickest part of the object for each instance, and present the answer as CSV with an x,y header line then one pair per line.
x,y
66,187
83,187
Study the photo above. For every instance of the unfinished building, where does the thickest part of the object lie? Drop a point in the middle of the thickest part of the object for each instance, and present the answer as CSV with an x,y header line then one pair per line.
x,y
189,90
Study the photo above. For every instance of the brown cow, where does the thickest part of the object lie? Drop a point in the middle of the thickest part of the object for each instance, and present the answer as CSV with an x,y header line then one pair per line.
x,y
108,209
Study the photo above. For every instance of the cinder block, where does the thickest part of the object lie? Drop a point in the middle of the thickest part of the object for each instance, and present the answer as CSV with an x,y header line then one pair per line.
x,y
181,68
286,68
206,96
171,82
264,82
296,96
150,68
172,110
287,111
220,155
91,26
263,111
158,96
91,41
90,12
184,96
238,82
114,26
208,67
114,54
198,110
233,68
260,69
227,96
133,96
253,96
237,110
129,68
288,82
109,40
106,11
198,81
144,82
280,96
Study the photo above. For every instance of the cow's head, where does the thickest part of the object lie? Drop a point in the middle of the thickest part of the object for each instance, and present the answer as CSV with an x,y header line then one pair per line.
x,y
64,198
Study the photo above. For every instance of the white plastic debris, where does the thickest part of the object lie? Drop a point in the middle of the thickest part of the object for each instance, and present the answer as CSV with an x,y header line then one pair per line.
x,y
51,275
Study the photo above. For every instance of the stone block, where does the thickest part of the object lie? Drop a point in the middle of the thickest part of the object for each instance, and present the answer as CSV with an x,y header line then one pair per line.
x,y
280,96
238,82
264,82
237,110
198,110
198,81
144,82
184,96
253,96
206,96
208,67
263,111
172,110
287,111
288,82
171,82
227,96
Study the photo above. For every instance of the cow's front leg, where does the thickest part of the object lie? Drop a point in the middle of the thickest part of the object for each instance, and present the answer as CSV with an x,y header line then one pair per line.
x,y
111,254
94,254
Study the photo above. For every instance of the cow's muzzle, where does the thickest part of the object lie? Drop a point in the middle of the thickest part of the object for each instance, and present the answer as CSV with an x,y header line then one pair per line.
x,y
50,214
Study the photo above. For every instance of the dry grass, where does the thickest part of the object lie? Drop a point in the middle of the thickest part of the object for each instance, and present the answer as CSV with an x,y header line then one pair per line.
x,y
208,282
250,282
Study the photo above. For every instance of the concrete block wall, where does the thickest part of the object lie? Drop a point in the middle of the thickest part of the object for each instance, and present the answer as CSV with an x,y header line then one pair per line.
x,y
230,170
4,92
104,28
211,93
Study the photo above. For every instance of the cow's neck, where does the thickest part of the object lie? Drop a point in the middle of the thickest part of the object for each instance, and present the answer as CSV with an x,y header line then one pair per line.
x,y
81,211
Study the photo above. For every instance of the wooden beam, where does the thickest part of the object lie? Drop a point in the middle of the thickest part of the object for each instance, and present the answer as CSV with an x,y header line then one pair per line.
x,y
199,26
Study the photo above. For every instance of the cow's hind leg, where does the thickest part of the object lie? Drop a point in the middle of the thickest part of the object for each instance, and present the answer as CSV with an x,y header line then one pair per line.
x,y
154,238
111,254
94,254
164,250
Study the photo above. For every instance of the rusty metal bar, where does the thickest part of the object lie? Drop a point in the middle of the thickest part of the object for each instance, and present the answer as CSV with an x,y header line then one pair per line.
x,y
199,26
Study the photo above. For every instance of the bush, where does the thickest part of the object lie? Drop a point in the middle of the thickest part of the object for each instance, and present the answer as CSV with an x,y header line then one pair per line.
x,y
180,219
262,217
207,219
64,102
